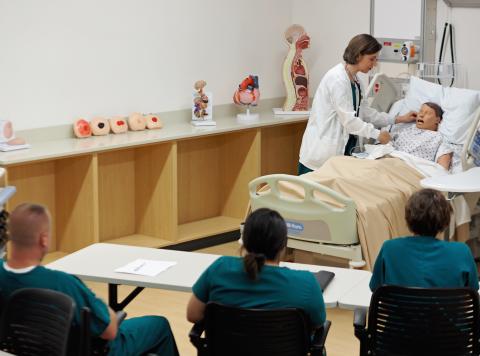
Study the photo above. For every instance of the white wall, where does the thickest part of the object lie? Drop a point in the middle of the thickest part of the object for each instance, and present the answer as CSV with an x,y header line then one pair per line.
x,y
330,24
466,24
60,59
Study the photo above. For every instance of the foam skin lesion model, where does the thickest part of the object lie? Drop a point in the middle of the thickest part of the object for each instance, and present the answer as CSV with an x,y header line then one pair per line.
x,y
295,72
101,126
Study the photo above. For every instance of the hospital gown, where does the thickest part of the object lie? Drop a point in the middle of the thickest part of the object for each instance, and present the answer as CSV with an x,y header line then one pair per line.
x,y
420,143
431,145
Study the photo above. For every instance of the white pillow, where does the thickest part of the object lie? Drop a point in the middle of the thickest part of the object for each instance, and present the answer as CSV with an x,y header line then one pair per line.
x,y
458,106
419,92
398,108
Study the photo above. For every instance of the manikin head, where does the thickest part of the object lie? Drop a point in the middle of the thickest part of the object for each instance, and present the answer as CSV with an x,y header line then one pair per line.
x,y
429,116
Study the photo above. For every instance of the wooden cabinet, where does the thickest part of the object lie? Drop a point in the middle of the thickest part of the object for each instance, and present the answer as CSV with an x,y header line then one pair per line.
x,y
156,194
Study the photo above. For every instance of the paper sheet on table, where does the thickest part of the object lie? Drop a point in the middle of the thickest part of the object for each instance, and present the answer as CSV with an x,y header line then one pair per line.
x,y
146,267
5,147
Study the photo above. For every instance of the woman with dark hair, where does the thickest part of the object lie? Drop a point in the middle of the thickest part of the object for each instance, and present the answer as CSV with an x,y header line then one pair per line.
x,y
257,280
339,112
422,260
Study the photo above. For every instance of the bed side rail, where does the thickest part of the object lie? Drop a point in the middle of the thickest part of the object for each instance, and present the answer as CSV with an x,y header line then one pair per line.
x,y
308,218
309,187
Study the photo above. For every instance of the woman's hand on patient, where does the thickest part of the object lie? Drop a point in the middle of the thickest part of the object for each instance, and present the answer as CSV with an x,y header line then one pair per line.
x,y
384,137
408,117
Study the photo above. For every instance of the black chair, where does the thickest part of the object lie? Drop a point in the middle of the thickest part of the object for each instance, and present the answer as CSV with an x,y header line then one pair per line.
x,y
420,321
36,322
236,331
82,343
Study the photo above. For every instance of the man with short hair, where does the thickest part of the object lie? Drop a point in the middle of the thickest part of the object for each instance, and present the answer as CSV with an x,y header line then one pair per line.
x,y
29,229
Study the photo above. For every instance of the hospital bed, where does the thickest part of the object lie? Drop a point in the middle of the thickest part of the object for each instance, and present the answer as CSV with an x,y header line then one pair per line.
x,y
330,228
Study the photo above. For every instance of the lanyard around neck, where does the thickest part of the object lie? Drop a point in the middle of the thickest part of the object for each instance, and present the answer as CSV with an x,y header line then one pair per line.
x,y
357,109
357,85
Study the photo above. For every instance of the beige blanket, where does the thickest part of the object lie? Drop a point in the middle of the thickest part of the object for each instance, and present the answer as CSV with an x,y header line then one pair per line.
x,y
380,189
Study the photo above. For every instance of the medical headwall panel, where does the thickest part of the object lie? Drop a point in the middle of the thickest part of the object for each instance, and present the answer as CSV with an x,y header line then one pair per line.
x,y
398,19
406,29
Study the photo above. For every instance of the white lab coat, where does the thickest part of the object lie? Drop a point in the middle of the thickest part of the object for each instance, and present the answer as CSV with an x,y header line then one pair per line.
x,y
332,119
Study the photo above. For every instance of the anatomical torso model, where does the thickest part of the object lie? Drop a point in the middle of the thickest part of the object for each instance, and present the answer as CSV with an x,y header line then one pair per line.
x,y
295,73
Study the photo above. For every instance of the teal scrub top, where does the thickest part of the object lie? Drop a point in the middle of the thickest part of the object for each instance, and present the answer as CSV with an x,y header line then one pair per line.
x,y
226,282
352,139
41,277
424,261
354,95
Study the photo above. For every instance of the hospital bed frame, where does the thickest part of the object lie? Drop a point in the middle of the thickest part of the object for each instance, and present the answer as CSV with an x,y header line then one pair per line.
x,y
313,225
319,227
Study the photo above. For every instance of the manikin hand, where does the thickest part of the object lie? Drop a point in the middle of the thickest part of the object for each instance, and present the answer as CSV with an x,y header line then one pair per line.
x,y
384,137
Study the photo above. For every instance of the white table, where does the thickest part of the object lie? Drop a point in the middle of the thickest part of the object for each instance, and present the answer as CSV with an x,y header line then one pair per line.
x,y
358,296
345,279
97,263
464,182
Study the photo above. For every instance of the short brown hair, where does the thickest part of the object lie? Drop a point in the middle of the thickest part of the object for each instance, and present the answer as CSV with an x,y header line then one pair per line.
x,y
427,212
435,107
26,222
360,45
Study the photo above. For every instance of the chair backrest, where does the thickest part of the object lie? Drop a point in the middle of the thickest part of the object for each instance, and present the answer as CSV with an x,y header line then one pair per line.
x,y
236,331
80,339
36,322
419,321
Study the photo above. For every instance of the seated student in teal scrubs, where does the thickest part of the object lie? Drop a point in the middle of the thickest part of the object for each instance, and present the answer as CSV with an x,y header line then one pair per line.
x,y
29,229
423,260
256,280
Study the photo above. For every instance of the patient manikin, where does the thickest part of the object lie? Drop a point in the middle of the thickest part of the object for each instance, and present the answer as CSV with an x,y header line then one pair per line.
x,y
423,139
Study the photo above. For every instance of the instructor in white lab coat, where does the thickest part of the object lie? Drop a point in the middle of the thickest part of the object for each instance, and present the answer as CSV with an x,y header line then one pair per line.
x,y
340,111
